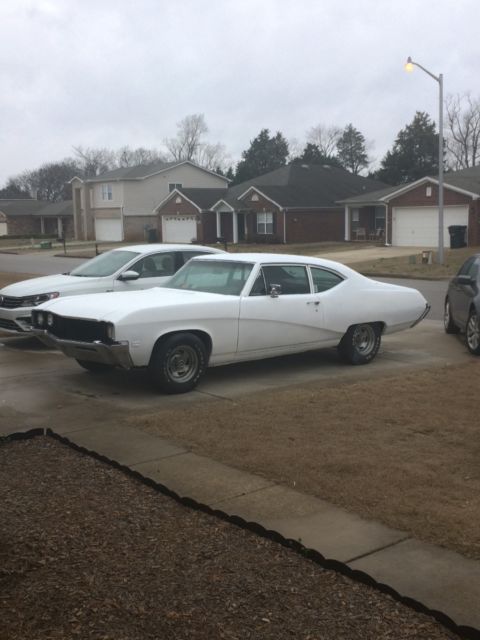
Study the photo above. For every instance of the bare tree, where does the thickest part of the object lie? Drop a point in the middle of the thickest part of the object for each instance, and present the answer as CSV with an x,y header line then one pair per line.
x,y
213,157
463,137
93,162
325,138
126,157
188,140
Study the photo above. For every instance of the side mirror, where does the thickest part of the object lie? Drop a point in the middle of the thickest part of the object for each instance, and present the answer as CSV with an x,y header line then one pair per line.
x,y
465,280
128,275
275,290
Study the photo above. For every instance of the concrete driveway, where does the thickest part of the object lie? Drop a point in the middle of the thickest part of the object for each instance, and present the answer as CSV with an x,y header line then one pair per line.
x,y
43,388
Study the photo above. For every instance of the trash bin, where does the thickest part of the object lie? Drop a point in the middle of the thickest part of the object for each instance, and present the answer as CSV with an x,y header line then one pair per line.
x,y
152,235
46,244
457,236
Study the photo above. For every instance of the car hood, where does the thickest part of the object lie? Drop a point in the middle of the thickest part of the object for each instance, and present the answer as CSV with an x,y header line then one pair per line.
x,y
46,284
116,305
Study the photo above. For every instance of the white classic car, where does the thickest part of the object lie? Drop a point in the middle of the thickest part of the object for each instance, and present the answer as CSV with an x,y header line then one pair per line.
x,y
123,269
221,309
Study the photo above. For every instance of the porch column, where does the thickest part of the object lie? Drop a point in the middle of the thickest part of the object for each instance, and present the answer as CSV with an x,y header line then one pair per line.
x,y
347,222
42,225
59,228
219,226
235,227
387,243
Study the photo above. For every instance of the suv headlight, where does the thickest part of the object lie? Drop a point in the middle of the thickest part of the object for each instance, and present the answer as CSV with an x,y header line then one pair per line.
x,y
33,301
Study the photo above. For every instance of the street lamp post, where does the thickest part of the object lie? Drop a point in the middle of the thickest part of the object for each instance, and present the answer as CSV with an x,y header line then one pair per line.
x,y
409,67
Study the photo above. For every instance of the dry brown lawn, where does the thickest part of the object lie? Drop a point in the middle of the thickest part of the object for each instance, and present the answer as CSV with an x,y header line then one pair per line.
x,y
402,450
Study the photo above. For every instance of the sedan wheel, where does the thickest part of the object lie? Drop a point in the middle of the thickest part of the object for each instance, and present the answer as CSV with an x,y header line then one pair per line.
x,y
178,363
449,325
361,343
473,333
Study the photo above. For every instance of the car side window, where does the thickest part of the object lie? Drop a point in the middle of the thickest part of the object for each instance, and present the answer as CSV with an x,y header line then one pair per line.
x,y
323,279
157,265
259,288
293,279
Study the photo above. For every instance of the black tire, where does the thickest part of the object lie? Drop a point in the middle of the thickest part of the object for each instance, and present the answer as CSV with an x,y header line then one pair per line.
x,y
178,363
449,325
95,367
361,343
472,333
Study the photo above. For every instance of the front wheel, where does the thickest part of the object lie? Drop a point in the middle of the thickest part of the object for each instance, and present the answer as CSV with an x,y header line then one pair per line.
x,y
361,343
178,363
449,325
95,367
472,333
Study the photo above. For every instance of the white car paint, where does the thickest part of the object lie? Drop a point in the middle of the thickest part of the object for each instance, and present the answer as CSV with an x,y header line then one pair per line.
x,y
239,327
15,309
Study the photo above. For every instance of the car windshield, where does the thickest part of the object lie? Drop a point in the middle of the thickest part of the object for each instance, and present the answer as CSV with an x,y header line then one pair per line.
x,y
226,278
106,264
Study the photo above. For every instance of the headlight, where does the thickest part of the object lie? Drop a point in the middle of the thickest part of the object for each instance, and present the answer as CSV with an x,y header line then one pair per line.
x,y
40,318
110,331
50,320
33,301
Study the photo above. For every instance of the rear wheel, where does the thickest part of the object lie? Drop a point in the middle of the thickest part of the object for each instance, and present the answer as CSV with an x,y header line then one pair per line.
x,y
178,363
450,326
473,333
361,343
95,367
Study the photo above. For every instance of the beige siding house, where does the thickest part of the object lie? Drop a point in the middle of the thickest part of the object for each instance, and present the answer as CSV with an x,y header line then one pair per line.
x,y
123,204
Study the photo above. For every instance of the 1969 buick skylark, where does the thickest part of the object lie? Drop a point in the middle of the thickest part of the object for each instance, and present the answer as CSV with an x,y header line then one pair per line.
x,y
227,308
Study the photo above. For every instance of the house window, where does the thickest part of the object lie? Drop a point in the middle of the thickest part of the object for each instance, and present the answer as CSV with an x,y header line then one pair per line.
x,y
174,185
107,192
379,218
355,219
428,192
265,223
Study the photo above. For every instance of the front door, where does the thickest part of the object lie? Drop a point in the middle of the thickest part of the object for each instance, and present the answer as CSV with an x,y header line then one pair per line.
x,y
290,322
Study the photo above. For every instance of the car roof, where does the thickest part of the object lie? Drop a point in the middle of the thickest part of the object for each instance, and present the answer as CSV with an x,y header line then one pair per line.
x,y
160,246
279,258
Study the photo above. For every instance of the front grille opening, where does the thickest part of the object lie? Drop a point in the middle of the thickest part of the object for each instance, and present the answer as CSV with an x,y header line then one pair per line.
x,y
77,330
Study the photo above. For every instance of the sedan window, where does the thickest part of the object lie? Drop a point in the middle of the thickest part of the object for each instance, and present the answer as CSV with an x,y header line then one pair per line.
x,y
226,278
293,279
323,279
106,264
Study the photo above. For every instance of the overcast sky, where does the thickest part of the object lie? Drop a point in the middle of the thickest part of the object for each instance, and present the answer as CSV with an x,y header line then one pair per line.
x,y
109,73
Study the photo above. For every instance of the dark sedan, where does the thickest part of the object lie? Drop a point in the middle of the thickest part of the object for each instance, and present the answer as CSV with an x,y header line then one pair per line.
x,y
462,303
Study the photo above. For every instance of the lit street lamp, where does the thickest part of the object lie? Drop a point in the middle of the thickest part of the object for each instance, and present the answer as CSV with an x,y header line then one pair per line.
x,y
409,67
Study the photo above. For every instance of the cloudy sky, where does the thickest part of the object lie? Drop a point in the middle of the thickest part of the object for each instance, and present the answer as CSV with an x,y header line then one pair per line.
x,y
109,73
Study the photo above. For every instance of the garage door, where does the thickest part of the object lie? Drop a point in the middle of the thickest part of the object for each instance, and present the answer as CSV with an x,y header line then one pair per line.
x,y
3,228
179,228
108,230
418,226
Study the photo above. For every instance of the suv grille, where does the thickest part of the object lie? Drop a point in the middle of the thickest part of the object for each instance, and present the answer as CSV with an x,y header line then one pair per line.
x,y
9,302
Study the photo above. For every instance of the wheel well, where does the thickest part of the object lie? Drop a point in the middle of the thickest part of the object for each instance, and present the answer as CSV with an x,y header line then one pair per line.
x,y
378,323
204,337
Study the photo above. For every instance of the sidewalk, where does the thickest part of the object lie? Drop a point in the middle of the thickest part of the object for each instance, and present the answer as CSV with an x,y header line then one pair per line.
x,y
439,579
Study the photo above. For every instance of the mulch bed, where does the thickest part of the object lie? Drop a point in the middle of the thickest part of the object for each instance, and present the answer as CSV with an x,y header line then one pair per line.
x,y
87,551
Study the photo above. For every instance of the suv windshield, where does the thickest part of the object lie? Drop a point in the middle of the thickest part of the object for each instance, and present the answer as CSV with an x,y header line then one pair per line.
x,y
226,278
105,264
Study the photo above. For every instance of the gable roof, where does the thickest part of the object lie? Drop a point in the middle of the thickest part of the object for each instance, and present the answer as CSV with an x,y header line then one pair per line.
x,y
30,207
305,186
466,181
142,171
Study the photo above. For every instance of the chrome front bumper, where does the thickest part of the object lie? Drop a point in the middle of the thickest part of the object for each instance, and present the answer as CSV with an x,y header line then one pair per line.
x,y
116,354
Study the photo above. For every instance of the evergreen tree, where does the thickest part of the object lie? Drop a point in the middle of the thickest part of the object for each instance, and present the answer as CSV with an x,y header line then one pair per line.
x,y
351,150
414,154
312,155
265,154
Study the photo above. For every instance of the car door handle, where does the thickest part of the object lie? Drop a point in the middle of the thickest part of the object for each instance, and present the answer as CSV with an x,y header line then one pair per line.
x,y
315,302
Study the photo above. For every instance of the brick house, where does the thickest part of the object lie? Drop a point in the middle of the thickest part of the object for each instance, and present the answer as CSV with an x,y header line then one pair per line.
x,y
23,217
408,214
296,203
